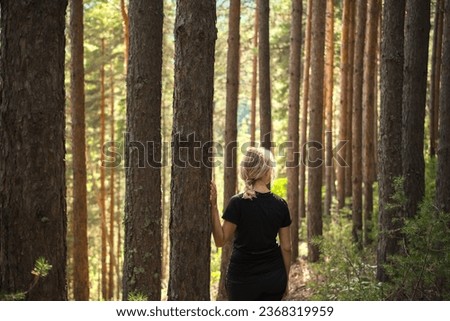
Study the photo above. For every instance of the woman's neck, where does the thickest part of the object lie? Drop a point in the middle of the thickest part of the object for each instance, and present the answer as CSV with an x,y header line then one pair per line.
x,y
260,187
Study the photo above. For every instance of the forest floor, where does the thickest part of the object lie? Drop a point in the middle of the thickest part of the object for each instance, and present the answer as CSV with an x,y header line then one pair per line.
x,y
299,277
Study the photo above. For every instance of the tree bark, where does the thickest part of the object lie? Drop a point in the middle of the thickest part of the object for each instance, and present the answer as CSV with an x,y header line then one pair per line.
x,y
304,113
345,69
104,232
389,152
32,169
329,82
230,173
112,258
190,228
142,262
80,238
370,74
436,66
265,105
358,78
315,157
349,91
126,33
292,167
443,174
417,27
254,78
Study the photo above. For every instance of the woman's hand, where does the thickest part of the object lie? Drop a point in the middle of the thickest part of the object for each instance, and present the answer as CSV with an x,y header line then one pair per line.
x,y
213,195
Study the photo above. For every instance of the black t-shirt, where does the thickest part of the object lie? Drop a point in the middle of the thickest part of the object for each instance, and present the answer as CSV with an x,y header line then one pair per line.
x,y
258,221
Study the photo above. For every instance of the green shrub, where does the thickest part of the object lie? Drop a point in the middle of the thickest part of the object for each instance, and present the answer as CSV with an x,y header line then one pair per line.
x,y
346,273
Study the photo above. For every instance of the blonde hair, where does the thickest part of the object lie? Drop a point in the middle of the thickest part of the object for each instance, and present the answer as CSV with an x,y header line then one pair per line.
x,y
256,163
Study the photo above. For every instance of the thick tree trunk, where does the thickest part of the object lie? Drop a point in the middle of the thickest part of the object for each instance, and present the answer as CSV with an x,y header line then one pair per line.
x,y
80,247
436,65
32,169
344,103
190,227
369,106
265,105
358,78
230,173
443,174
315,157
329,82
389,153
142,262
292,169
254,78
417,28
304,113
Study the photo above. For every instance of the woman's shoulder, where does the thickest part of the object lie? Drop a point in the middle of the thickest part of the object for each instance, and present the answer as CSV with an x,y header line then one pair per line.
x,y
279,199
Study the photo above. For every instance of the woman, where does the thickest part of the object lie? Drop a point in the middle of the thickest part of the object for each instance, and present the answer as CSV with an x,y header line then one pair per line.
x,y
259,267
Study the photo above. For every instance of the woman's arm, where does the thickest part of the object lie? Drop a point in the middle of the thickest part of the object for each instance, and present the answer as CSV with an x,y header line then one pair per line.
x,y
285,244
221,234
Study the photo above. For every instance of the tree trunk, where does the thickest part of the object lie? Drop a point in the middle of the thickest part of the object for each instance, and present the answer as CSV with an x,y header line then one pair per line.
x,y
104,231
32,170
344,103
370,74
230,174
436,65
112,258
358,78
292,169
119,237
443,174
304,115
80,248
142,262
389,153
349,91
417,27
126,33
265,105
254,78
329,82
190,226
315,158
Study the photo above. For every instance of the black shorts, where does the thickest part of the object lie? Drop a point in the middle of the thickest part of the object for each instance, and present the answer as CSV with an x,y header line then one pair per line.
x,y
269,286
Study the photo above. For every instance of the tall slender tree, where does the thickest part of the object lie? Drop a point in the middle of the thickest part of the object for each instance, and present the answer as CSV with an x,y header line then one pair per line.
x,y
314,214
102,197
126,33
142,261
389,152
436,65
329,81
32,169
417,27
190,228
358,77
230,173
304,113
349,93
368,122
265,105
344,100
443,174
112,258
292,169
80,248
254,77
